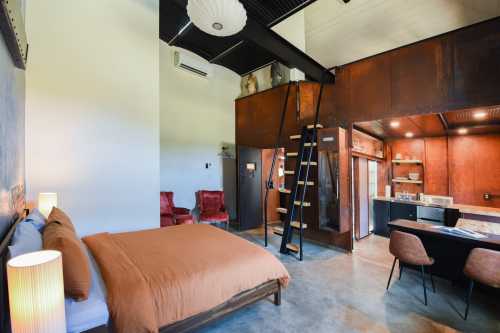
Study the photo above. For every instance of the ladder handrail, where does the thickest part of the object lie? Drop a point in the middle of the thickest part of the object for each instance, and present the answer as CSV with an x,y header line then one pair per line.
x,y
312,138
276,147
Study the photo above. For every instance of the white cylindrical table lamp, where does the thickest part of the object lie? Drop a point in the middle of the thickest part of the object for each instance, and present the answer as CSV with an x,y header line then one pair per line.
x,y
36,293
46,201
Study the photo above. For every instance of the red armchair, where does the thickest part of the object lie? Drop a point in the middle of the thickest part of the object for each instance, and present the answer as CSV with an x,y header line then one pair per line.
x,y
211,207
171,215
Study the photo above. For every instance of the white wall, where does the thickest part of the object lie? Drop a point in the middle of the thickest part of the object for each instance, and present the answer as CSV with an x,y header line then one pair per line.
x,y
196,118
92,101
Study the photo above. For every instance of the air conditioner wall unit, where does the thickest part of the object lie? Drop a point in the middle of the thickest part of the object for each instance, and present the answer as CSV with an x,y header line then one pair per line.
x,y
192,64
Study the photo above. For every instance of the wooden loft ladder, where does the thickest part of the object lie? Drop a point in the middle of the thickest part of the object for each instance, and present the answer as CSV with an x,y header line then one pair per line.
x,y
293,214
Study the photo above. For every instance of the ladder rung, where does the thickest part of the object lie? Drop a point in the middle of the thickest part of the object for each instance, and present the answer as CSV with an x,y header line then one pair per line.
x,y
278,230
312,163
284,190
308,144
304,204
293,247
296,225
301,182
312,126
292,154
295,137
282,210
289,172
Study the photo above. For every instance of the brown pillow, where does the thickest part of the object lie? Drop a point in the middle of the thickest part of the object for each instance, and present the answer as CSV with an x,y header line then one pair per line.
x,y
58,216
76,270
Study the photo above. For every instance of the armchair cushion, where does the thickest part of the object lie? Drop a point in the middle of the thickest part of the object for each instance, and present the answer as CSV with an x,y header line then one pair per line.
x,y
214,217
181,211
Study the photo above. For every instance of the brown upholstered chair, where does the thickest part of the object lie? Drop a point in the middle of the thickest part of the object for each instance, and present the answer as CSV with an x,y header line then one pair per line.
x,y
482,266
408,249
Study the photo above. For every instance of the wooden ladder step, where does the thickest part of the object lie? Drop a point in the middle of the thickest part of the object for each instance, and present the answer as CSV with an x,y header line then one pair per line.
x,y
312,163
304,204
312,126
282,210
295,137
296,225
278,230
293,247
308,144
289,172
301,182
292,154
284,190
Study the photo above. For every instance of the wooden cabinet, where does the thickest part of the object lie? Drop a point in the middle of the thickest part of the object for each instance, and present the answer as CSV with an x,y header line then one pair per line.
x,y
403,211
381,217
475,59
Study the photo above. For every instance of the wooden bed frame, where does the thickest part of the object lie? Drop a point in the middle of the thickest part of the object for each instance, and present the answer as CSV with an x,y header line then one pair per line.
x,y
237,302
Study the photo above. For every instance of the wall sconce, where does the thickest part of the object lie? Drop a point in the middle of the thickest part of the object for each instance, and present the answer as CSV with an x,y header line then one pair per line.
x,y
46,201
36,293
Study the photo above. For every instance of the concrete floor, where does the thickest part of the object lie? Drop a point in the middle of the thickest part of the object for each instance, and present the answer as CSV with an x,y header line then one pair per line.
x,y
332,291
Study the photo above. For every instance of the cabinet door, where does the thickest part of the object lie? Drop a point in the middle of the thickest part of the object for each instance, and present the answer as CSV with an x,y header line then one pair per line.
x,y
403,211
381,215
476,66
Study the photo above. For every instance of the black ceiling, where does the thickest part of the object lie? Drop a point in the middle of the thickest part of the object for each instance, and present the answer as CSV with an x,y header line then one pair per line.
x,y
254,47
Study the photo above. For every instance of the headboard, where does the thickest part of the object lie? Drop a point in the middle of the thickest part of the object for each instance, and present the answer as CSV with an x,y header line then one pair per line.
x,y
4,299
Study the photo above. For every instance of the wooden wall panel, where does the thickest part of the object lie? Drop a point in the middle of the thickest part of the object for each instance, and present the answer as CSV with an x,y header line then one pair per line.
x,y
436,166
258,117
474,163
274,194
370,88
418,78
476,65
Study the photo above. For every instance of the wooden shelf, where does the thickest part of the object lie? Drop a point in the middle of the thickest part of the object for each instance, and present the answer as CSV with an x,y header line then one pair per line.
x,y
409,181
407,161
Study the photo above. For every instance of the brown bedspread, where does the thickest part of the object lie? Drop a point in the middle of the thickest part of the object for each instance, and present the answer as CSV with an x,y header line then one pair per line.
x,y
157,277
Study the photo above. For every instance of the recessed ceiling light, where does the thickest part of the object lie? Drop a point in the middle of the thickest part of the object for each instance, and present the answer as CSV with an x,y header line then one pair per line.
x,y
394,124
409,134
479,115
463,131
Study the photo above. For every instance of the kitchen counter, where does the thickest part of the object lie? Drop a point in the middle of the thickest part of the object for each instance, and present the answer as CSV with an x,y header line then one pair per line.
x,y
463,209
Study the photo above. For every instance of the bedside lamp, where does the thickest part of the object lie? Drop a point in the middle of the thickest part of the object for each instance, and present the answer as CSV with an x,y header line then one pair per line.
x,y
46,201
36,293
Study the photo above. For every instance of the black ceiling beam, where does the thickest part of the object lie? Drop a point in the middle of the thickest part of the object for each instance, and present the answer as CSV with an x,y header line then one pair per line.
x,y
284,51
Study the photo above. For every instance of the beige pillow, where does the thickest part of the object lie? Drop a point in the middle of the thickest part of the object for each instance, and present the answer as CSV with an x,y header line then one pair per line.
x,y
76,269
58,216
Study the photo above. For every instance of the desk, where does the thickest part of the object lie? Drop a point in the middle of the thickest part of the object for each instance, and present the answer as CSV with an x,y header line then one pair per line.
x,y
449,251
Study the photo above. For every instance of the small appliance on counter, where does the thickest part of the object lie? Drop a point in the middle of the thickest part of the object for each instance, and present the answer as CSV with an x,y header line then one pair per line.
x,y
406,196
438,200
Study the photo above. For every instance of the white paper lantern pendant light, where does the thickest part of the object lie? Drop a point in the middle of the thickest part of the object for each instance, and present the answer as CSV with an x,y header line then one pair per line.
x,y
217,17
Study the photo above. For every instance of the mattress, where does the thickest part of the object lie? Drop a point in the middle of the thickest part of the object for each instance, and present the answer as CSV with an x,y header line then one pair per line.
x,y
91,313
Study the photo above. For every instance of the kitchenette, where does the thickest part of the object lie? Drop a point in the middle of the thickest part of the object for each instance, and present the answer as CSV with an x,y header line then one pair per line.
x,y
440,169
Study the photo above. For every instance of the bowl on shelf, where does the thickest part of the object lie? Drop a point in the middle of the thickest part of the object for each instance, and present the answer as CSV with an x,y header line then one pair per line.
x,y
414,176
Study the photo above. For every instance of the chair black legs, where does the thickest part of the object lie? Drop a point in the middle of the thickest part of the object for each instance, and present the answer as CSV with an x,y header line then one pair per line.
x,y
423,283
390,276
422,269
469,294
432,280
